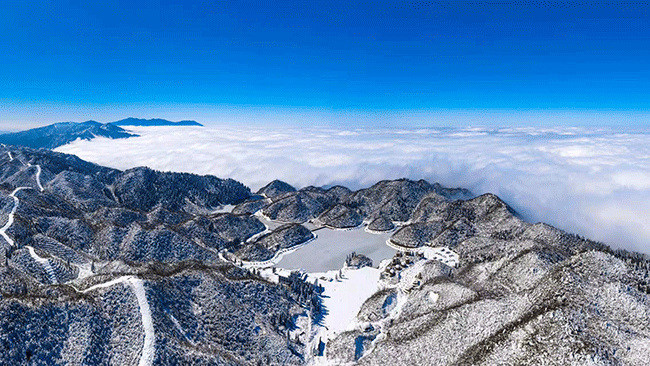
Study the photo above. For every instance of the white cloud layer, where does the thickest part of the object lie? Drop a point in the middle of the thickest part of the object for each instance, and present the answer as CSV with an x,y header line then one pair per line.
x,y
592,182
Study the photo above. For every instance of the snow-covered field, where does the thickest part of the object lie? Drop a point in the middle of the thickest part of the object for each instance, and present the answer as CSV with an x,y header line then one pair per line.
x,y
594,182
344,295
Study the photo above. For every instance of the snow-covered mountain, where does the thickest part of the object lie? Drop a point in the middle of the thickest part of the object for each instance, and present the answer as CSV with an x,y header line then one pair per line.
x,y
59,134
101,266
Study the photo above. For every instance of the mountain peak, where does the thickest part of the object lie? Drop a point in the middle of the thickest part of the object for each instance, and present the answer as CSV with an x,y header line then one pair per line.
x,y
58,134
61,133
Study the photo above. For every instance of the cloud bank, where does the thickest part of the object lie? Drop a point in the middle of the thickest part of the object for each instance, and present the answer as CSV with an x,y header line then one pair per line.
x,y
595,183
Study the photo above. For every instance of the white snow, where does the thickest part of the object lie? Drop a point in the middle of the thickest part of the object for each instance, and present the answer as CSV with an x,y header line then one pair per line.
x,y
105,284
259,235
85,270
270,224
10,218
441,254
403,288
434,296
344,289
45,263
322,258
38,177
344,295
273,274
148,348
224,209
111,188
178,326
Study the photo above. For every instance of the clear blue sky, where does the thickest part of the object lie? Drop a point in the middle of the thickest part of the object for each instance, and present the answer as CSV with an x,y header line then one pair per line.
x,y
105,59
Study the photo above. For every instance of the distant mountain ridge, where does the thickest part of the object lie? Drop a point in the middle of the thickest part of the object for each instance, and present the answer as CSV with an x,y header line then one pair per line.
x,y
153,122
59,134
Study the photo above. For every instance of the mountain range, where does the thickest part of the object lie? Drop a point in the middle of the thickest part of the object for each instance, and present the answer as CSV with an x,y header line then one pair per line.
x,y
58,134
100,266
153,122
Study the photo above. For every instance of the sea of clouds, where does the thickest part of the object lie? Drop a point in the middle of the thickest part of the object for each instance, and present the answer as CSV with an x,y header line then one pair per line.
x,y
593,182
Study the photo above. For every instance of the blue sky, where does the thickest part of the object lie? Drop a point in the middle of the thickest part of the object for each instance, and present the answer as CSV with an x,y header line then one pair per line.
x,y
211,60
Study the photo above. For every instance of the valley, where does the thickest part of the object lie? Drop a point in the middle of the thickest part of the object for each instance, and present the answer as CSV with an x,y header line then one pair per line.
x,y
156,267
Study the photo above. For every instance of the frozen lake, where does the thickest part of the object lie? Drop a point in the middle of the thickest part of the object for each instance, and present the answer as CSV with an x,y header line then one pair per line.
x,y
329,250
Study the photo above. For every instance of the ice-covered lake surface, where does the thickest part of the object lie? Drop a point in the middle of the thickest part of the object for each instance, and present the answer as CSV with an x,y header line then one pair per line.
x,y
330,248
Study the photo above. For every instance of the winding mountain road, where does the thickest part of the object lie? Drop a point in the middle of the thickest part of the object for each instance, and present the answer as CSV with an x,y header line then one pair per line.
x,y
10,218
38,177
148,347
136,284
